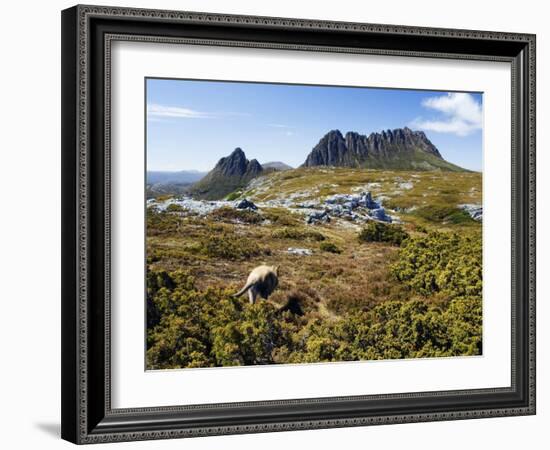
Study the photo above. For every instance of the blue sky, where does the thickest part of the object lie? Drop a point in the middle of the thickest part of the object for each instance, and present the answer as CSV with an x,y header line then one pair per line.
x,y
192,124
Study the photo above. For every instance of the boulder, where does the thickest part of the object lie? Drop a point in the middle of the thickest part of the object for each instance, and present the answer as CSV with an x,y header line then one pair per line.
x,y
300,251
380,214
317,217
475,211
246,204
368,202
353,201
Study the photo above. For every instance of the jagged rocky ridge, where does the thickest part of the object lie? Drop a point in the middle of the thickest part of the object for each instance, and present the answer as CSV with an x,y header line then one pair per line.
x,y
230,173
401,148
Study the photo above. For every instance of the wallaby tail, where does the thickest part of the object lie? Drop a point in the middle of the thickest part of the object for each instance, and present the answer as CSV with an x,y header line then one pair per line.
x,y
246,287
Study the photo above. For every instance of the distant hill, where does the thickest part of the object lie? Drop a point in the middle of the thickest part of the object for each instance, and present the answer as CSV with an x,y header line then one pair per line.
x,y
230,173
276,165
170,183
401,148
180,177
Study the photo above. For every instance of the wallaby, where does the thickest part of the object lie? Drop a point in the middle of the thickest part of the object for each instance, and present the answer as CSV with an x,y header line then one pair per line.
x,y
262,281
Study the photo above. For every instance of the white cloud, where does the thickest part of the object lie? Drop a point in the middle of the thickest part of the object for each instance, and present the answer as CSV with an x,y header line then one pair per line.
x,y
155,110
462,114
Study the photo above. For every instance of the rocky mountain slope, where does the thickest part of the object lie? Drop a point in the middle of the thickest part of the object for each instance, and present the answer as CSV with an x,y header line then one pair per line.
x,y
230,173
401,148
276,165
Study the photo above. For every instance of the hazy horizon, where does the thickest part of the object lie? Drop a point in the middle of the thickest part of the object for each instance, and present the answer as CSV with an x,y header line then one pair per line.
x,y
192,124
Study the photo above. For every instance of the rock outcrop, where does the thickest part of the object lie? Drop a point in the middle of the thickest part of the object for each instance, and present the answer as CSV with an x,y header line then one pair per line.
x,y
354,207
475,211
401,148
230,173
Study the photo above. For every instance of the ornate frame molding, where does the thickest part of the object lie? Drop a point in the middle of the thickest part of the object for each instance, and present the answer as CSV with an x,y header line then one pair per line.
x,y
78,425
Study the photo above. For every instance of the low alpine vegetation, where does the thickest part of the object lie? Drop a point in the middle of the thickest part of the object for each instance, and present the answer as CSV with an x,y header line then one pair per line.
x,y
382,232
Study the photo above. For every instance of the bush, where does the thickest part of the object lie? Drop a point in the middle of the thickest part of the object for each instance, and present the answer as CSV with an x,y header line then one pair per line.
x,y
296,233
281,217
228,214
161,222
174,207
205,328
381,232
395,330
187,327
230,246
443,214
441,262
329,247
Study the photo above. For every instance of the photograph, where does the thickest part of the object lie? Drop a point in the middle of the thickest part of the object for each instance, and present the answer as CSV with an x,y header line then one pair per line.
x,y
301,224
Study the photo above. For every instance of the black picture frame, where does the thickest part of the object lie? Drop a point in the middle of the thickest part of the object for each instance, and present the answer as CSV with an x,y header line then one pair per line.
x,y
87,416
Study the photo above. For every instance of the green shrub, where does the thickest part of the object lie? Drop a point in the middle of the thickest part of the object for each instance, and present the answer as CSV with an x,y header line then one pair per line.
x,y
441,262
420,228
229,246
187,327
174,207
381,232
161,222
395,330
206,328
281,217
329,247
443,214
299,234
228,214
233,196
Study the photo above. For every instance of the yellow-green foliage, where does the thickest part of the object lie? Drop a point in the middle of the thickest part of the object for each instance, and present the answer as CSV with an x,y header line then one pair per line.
x,y
228,214
228,245
329,247
381,232
394,295
443,214
281,217
174,207
297,233
161,222
446,263
192,328
395,330
233,196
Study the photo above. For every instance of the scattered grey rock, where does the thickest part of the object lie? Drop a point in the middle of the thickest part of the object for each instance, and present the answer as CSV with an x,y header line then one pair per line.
x,y
475,211
200,207
300,251
380,214
353,201
308,205
246,204
356,207
406,185
317,217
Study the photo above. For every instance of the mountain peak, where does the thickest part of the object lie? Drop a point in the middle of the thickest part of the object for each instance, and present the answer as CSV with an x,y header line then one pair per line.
x,y
230,173
400,148
237,153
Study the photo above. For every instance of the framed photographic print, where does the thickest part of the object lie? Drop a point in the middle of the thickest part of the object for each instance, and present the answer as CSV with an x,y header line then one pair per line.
x,y
280,224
